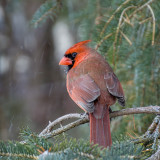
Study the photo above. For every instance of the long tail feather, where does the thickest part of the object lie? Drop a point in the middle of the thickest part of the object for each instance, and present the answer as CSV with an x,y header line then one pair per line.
x,y
100,130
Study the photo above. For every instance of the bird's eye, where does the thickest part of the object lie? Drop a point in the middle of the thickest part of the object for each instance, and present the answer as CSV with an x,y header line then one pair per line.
x,y
74,54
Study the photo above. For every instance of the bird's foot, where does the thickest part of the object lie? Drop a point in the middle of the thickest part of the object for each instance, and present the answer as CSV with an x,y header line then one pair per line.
x,y
84,115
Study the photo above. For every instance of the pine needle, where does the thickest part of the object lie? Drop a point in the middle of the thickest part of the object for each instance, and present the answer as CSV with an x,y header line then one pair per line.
x,y
130,135
113,15
145,20
126,38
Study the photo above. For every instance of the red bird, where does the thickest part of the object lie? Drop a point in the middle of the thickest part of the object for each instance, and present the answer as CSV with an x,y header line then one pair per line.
x,y
93,86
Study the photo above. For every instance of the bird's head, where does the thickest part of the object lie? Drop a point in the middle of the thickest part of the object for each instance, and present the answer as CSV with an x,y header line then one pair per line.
x,y
75,54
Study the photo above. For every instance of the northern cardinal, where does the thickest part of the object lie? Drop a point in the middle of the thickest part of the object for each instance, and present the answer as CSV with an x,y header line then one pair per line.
x,y
94,87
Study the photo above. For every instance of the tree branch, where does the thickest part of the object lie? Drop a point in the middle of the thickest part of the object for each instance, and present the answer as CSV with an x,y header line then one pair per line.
x,y
138,110
65,128
48,133
59,120
155,156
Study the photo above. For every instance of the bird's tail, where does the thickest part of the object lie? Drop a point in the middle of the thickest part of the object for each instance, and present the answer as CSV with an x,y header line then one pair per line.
x,y
100,129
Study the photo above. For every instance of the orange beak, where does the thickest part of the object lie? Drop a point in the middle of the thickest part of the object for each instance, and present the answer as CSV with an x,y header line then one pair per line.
x,y
65,61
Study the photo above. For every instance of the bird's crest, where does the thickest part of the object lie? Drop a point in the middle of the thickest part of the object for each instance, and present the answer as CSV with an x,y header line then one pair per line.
x,y
81,43
78,46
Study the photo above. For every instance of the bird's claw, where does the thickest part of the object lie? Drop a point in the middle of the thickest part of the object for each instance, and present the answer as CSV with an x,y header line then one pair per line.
x,y
84,115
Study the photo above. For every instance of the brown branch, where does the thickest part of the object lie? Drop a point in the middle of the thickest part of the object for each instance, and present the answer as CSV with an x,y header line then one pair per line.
x,y
47,133
59,120
138,110
65,128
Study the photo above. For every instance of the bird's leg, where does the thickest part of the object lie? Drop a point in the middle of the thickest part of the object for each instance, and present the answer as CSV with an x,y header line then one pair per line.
x,y
85,114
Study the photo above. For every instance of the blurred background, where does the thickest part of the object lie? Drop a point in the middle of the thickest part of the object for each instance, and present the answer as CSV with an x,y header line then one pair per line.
x,y
32,84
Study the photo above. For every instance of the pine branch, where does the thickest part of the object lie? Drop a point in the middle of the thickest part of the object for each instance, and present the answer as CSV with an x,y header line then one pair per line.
x,y
48,133
119,25
65,128
16,155
141,7
113,15
152,134
59,120
48,9
122,21
155,156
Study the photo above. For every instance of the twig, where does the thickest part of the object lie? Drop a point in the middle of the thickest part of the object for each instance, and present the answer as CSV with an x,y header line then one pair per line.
x,y
142,139
156,135
152,134
110,19
119,25
154,23
126,38
145,20
47,133
127,20
140,8
59,120
155,156
102,40
138,110
153,126
65,128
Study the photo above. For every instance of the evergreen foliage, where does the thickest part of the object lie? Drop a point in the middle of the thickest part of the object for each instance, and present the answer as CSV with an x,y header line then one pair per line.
x,y
50,8
63,147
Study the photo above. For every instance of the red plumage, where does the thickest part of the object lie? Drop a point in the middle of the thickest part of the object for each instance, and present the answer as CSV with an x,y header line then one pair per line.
x,y
94,87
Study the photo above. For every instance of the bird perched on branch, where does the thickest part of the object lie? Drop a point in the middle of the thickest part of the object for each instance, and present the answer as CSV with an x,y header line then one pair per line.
x,y
93,86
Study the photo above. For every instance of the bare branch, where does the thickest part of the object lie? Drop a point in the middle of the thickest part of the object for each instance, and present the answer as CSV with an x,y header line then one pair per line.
x,y
102,40
65,128
59,120
138,110
47,133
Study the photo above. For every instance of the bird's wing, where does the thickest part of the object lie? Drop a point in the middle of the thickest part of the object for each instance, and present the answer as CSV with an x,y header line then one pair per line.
x,y
84,91
114,87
